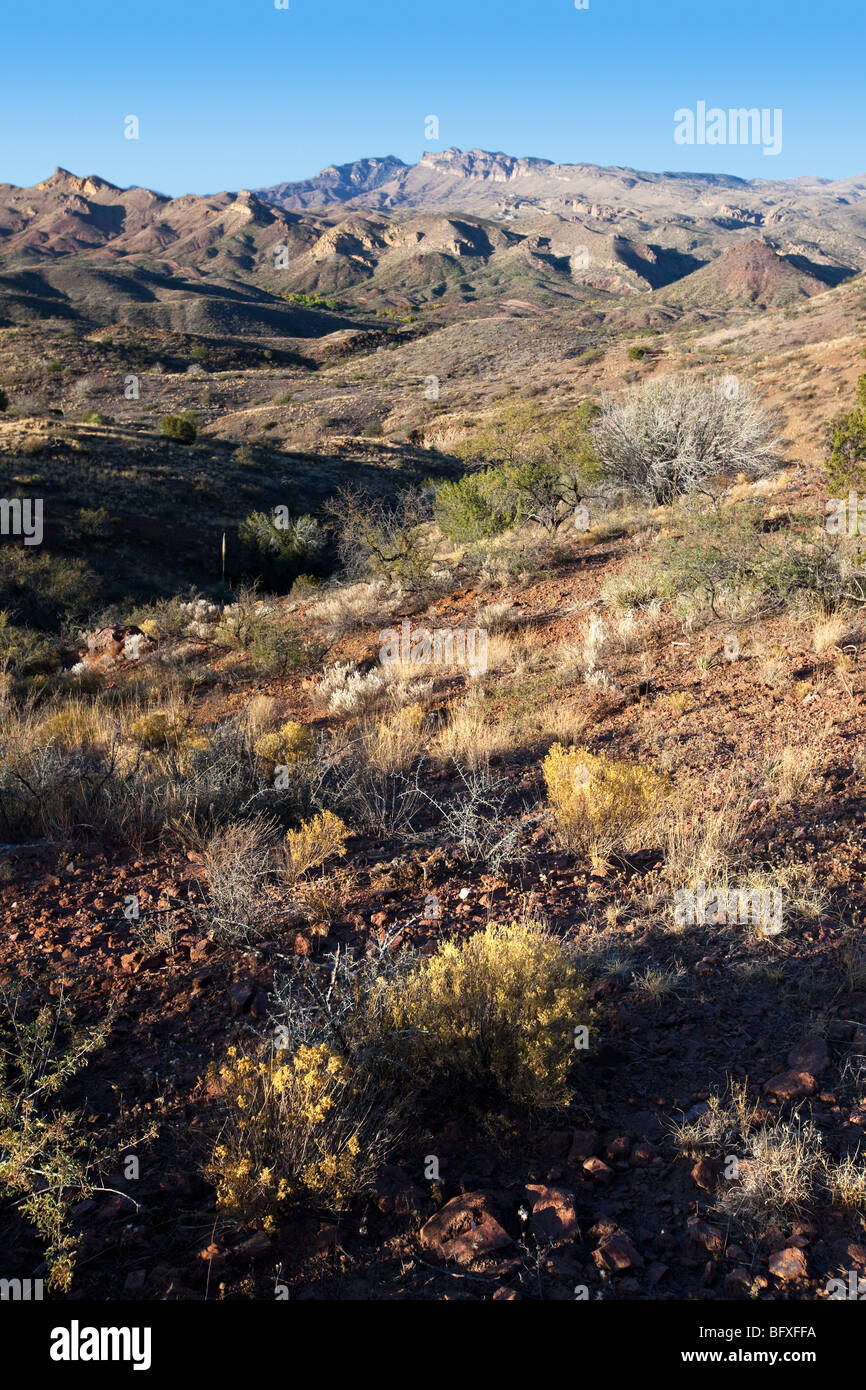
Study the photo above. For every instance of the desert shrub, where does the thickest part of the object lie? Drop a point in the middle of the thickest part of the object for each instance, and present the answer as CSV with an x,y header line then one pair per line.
x,y
398,740
94,523
4,400
158,729
473,507
311,1116
539,470
676,435
846,444
345,690
276,549
300,1128
79,724
290,743
279,648
25,652
473,817
44,1163
48,589
361,777
727,563
602,806
384,539
347,608
317,840
496,1012
122,793
239,864
472,734
782,1167
178,428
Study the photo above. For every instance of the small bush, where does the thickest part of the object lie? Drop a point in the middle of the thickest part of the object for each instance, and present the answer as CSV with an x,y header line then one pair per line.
x,y
278,549
290,743
316,841
846,443
497,1012
178,428
299,1127
602,806
158,729
44,1168
239,864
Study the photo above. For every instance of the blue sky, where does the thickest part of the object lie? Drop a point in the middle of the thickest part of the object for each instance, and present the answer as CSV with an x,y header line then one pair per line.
x,y
236,93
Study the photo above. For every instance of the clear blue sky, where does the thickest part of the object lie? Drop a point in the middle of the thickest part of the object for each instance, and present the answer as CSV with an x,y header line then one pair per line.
x,y
236,93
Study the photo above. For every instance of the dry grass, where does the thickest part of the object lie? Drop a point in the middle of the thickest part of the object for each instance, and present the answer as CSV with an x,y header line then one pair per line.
x,y
794,774
472,736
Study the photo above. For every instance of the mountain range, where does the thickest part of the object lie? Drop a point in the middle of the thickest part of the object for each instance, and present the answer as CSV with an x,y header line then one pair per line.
x,y
452,235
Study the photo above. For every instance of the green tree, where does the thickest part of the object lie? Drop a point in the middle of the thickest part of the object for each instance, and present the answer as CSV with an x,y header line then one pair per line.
x,y
846,442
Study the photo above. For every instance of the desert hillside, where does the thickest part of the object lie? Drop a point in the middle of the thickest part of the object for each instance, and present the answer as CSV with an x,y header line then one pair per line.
x,y
432,784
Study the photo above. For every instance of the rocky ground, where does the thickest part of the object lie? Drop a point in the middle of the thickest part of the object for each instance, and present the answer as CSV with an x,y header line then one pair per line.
x,y
599,1201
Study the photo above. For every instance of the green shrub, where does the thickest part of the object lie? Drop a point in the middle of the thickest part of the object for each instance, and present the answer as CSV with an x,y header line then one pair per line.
x,y
276,549
48,588
846,441
44,1168
178,428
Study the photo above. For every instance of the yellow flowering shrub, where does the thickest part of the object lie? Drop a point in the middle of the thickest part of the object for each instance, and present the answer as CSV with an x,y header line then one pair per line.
x,y
78,725
290,743
157,729
317,840
297,1127
497,1010
601,805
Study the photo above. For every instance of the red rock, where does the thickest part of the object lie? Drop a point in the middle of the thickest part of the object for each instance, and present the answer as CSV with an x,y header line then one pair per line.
x,y
241,995
712,1238
596,1168
553,1214
619,1148
643,1153
255,1247
789,1263
791,1085
706,1174
465,1230
617,1252
810,1055
583,1145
